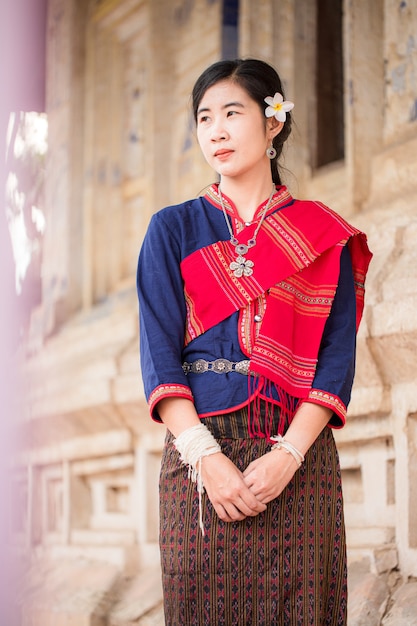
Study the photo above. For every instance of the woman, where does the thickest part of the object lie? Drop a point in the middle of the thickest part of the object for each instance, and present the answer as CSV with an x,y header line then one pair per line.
x,y
249,306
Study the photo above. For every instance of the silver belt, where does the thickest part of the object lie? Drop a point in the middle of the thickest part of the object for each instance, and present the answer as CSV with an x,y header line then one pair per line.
x,y
219,366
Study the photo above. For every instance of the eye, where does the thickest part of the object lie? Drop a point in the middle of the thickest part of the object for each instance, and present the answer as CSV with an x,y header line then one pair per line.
x,y
203,118
230,113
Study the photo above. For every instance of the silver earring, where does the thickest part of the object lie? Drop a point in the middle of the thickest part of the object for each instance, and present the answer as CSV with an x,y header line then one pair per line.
x,y
271,153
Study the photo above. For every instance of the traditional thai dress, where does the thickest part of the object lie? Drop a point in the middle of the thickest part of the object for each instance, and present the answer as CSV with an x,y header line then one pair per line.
x,y
247,347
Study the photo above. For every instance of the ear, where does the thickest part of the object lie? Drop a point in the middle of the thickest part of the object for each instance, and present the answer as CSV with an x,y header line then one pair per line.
x,y
274,127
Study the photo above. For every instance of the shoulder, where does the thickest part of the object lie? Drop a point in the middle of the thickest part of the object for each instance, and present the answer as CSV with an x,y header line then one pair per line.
x,y
175,212
320,214
316,206
172,223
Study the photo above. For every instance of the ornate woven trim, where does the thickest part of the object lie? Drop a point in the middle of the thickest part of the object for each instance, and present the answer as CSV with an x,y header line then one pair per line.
x,y
167,391
330,401
282,196
250,318
193,326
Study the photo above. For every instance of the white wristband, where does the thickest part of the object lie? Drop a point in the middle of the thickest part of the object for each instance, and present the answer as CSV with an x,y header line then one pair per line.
x,y
193,444
282,443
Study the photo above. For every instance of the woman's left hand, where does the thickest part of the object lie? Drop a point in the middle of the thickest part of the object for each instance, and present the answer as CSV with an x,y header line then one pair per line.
x,y
268,476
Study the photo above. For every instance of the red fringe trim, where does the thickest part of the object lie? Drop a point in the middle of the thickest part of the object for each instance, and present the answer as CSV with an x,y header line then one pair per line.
x,y
261,411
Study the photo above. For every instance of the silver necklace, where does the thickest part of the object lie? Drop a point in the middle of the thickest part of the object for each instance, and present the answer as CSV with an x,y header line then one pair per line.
x,y
241,266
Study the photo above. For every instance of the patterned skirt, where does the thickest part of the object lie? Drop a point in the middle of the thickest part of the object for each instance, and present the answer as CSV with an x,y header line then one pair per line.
x,y
284,567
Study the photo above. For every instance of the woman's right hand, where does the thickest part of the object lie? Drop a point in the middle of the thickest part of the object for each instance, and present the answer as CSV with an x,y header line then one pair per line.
x,y
224,483
226,488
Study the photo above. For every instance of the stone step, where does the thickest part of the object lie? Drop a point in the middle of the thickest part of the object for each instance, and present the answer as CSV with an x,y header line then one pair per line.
x,y
139,602
90,593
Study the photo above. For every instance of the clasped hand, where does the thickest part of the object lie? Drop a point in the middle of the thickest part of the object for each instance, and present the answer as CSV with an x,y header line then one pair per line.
x,y
236,495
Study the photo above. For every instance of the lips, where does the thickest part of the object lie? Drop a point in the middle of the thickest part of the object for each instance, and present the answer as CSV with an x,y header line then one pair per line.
x,y
223,153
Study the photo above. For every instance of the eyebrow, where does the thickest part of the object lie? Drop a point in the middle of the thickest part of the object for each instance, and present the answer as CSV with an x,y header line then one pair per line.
x,y
225,106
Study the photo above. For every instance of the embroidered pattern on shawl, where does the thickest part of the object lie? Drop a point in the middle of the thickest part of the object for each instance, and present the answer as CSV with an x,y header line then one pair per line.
x,y
297,276
248,332
282,353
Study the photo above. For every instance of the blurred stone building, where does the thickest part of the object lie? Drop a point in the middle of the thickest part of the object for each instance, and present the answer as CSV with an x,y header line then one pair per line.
x,y
121,145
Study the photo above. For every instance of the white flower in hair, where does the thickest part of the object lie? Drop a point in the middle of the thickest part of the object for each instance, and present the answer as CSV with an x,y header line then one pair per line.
x,y
278,107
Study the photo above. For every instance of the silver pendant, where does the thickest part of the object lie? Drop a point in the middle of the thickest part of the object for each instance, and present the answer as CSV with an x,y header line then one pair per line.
x,y
242,267
241,249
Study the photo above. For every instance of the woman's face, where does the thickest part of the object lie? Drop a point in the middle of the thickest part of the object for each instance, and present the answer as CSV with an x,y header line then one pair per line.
x,y
232,131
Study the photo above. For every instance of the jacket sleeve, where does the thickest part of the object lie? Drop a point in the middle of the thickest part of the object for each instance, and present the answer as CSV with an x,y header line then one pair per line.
x,y
162,314
335,370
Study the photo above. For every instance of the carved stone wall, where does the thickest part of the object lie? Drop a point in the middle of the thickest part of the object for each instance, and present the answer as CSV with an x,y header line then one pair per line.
x,y
121,146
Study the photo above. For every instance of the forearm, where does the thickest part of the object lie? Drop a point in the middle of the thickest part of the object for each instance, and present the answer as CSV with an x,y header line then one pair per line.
x,y
178,414
307,424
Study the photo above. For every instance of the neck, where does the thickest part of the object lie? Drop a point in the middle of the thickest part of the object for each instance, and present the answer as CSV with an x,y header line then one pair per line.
x,y
247,195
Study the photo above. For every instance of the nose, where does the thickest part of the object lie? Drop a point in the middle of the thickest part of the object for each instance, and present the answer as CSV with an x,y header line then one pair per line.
x,y
218,132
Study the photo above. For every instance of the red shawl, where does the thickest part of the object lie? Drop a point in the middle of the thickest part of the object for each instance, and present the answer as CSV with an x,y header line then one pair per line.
x,y
297,264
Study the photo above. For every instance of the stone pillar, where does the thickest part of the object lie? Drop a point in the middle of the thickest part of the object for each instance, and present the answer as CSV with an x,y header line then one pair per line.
x,y
62,267
194,52
364,93
118,146
256,29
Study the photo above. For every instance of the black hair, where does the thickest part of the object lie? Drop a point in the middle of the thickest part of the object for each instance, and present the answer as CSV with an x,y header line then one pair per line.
x,y
260,80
